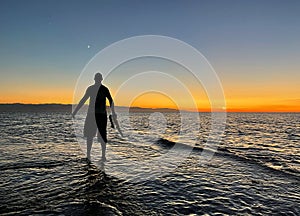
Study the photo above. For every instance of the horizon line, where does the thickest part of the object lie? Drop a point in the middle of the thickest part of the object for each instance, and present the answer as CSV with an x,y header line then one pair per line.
x,y
205,110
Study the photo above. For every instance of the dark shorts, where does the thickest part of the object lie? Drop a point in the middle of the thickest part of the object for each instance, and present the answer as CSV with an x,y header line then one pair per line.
x,y
94,121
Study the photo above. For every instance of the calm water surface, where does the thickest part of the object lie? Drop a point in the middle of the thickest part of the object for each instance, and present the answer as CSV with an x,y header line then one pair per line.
x,y
256,170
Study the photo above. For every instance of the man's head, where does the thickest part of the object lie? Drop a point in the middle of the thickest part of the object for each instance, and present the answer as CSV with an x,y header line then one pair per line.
x,y
98,77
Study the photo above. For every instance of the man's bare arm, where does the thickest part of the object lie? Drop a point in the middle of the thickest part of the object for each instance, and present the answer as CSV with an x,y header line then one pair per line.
x,y
111,103
114,115
80,104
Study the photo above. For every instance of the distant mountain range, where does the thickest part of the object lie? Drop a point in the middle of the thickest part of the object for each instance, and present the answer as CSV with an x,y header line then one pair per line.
x,y
19,107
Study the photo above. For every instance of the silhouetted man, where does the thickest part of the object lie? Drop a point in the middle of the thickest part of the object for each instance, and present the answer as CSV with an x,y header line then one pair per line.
x,y
96,115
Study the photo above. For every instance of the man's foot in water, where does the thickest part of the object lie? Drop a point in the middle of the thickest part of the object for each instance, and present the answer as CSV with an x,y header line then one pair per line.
x,y
88,160
103,159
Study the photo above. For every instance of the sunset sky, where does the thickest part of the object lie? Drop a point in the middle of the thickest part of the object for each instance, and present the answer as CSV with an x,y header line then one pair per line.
x,y
254,47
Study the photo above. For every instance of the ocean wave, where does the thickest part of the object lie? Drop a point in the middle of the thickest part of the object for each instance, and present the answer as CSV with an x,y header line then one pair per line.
x,y
226,152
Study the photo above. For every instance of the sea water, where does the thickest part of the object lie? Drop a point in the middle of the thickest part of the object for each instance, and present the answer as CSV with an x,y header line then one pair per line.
x,y
255,170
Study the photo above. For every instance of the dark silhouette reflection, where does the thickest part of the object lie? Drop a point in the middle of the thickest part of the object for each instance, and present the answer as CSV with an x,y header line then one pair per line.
x,y
96,115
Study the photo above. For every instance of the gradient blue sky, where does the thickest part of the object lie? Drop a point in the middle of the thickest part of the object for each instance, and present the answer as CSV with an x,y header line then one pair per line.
x,y
254,46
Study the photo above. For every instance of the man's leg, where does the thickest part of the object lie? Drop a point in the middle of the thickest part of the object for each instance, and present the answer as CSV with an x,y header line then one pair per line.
x,y
101,120
89,143
89,132
103,138
103,147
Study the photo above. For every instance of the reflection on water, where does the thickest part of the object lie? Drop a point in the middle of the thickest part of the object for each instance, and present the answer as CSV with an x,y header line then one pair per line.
x,y
255,171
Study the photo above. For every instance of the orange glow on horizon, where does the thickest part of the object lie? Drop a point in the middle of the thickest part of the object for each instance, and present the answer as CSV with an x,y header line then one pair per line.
x,y
148,101
39,97
151,100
